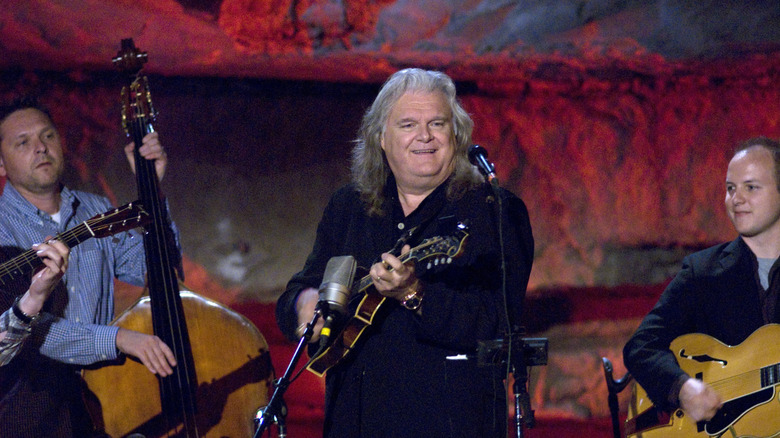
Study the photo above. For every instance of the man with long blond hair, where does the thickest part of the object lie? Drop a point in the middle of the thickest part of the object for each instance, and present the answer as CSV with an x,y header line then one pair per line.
x,y
414,372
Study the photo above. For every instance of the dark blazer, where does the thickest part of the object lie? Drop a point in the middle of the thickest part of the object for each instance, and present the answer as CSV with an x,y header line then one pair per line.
x,y
716,293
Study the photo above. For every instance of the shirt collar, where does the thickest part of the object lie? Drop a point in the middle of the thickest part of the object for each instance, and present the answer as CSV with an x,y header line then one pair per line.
x,y
436,196
13,199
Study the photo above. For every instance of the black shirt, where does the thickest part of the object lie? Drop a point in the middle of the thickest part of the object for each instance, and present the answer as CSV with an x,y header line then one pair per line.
x,y
399,381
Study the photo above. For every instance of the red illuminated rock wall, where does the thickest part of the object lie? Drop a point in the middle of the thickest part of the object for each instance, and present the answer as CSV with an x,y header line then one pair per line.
x,y
613,120
622,178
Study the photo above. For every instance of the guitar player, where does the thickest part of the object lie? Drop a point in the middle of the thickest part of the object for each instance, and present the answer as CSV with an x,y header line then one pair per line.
x,y
727,291
40,388
412,375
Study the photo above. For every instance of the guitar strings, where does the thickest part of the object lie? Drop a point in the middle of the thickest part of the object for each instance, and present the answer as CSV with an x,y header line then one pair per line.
x,y
184,376
738,385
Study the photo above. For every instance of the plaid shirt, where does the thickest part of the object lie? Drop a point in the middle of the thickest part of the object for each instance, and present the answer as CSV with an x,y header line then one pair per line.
x,y
16,331
78,333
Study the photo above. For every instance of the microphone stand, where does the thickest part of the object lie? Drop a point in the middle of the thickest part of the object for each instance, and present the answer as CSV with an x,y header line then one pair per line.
x,y
516,361
524,415
523,412
276,409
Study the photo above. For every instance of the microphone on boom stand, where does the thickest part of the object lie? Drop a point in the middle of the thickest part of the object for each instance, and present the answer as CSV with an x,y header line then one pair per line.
x,y
334,293
518,353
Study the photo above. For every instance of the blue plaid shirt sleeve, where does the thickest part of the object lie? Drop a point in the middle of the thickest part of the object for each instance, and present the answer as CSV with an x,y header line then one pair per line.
x,y
76,343
16,332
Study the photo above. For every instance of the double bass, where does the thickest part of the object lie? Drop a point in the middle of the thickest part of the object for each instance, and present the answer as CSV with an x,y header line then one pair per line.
x,y
223,373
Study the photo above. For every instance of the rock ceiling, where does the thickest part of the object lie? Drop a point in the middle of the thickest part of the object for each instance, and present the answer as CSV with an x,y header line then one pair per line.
x,y
362,40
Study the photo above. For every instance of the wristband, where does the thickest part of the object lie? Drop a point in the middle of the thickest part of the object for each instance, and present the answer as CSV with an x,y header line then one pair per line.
x,y
25,318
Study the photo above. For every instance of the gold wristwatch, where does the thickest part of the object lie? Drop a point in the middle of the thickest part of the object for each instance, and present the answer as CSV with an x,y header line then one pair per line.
x,y
412,300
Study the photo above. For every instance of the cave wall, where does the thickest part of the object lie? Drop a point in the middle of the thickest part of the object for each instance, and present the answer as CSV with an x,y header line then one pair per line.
x,y
365,41
613,120
621,178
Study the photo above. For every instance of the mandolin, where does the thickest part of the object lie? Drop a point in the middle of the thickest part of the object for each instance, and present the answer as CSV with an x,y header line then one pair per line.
x,y
436,251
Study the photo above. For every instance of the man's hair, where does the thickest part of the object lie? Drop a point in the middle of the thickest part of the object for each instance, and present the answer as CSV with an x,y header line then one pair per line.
x,y
771,145
369,165
20,103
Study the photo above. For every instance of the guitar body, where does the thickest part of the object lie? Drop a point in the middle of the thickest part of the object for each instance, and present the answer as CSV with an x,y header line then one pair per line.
x,y
223,392
746,376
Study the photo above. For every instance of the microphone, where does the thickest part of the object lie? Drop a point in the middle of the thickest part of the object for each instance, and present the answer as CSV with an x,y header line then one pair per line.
x,y
478,157
334,291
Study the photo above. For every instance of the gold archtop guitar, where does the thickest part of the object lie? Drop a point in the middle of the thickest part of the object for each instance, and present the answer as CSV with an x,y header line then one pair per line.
x,y
746,376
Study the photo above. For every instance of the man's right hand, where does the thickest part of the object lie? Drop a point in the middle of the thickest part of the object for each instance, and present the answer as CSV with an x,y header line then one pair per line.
x,y
305,306
149,349
699,400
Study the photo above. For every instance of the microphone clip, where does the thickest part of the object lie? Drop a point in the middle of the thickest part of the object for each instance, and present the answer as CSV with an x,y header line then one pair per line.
x,y
478,157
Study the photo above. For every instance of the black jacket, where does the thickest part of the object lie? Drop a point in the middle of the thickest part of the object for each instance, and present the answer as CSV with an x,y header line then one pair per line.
x,y
716,293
